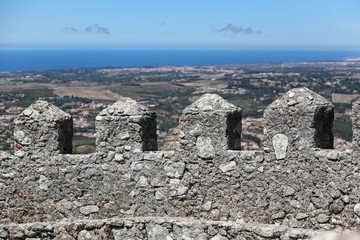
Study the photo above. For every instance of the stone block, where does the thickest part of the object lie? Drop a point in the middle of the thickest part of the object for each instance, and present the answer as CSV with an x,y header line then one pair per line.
x,y
210,126
43,130
298,121
124,126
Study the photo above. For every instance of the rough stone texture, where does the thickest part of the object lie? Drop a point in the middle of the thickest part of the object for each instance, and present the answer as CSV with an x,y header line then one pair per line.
x,y
124,129
356,126
280,143
304,117
157,229
42,130
157,232
164,229
313,189
209,126
87,210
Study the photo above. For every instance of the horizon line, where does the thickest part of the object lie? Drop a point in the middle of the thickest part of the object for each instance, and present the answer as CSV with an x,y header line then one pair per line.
x,y
145,49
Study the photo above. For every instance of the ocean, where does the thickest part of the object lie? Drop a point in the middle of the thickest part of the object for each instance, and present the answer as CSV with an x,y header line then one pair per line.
x,y
12,61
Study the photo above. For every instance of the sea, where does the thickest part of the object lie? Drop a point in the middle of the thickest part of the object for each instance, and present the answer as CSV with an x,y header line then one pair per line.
x,y
16,60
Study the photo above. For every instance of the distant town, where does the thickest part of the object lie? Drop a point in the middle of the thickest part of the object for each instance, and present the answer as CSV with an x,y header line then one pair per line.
x,y
169,89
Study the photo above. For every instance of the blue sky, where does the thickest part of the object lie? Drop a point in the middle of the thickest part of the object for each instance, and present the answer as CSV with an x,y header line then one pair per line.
x,y
178,25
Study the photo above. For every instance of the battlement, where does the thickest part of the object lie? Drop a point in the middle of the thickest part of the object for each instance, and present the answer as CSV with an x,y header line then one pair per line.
x,y
296,180
299,121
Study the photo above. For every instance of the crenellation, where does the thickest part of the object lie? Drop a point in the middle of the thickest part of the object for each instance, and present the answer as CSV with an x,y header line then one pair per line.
x,y
299,121
123,129
296,181
42,130
209,127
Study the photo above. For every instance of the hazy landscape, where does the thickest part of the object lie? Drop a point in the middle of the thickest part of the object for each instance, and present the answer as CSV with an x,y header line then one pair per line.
x,y
272,153
168,90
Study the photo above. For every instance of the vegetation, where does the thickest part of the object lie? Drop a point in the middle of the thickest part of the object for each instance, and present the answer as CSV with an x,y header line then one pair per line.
x,y
168,90
343,128
83,144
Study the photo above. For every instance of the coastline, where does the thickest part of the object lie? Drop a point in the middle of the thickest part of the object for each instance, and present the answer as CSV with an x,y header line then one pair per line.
x,y
31,60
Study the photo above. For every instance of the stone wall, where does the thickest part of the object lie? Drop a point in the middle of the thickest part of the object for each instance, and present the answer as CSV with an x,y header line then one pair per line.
x,y
356,126
296,180
153,229
42,130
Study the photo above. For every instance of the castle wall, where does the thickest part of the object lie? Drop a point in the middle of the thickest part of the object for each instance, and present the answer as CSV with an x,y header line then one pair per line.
x,y
154,229
356,126
310,187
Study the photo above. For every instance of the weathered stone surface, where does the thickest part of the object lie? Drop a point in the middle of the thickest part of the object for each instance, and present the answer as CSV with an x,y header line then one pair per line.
x,y
266,231
357,209
280,143
293,223
219,237
89,209
204,148
228,166
301,216
207,205
312,189
4,156
3,233
127,233
210,126
157,232
174,169
337,206
42,130
125,123
356,126
333,155
322,218
91,235
304,117
288,191
142,182
163,228
16,233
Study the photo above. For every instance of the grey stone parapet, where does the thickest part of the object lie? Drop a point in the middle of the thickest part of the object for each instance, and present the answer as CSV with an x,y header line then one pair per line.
x,y
163,228
356,126
210,126
123,129
300,120
288,185
42,130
